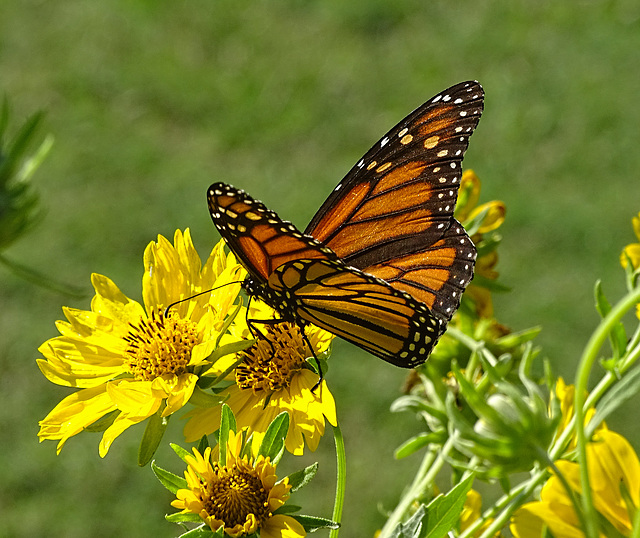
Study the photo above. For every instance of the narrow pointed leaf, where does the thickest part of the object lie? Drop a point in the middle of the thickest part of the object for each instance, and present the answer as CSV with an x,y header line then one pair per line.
x,y
273,440
227,423
169,480
312,523
301,478
443,513
156,426
621,392
179,517
181,452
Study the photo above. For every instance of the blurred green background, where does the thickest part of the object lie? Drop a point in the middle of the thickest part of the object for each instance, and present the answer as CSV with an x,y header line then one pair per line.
x,y
150,102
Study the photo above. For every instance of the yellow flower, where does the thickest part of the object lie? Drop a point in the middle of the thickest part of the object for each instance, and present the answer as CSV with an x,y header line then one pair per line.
x,y
273,377
242,495
480,220
632,252
614,475
467,208
137,360
633,249
472,511
565,394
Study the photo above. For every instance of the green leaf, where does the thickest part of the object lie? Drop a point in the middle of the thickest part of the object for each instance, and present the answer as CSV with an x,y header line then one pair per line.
x,y
18,146
443,513
103,423
412,528
179,517
621,392
169,480
286,509
203,444
156,426
203,532
227,323
227,423
205,398
181,452
273,441
313,523
617,336
302,477
207,380
417,443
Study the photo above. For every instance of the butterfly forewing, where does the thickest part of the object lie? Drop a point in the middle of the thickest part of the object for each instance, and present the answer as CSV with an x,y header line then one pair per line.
x,y
406,184
256,234
436,276
359,308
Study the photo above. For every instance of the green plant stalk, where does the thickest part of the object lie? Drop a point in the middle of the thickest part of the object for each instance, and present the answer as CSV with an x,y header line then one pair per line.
x,y
35,277
635,530
502,510
589,356
341,480
431,465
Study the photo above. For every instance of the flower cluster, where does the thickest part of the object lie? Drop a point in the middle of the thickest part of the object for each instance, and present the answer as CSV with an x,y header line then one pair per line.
x,y
190,343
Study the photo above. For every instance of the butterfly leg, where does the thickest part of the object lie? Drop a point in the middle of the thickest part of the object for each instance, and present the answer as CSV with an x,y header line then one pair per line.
x,y
252,322
315,358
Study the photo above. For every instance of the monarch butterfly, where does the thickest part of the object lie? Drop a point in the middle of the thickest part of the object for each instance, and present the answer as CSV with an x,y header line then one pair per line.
x,y
383,263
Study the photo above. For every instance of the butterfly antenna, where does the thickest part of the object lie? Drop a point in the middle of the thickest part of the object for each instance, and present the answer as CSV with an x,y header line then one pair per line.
x,y
166,310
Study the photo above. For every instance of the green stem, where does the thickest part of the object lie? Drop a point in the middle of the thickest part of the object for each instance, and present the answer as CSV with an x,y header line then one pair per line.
x,y
502,510
587,360
431,465
35,277
341,481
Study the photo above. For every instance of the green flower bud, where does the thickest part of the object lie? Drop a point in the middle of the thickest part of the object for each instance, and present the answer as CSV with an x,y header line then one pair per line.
x,y
513,428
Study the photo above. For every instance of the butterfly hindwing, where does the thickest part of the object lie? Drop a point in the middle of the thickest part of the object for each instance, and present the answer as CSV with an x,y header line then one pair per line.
x,y
359,308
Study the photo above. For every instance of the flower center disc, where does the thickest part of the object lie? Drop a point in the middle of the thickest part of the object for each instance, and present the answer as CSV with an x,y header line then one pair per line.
x,y
159,346
236,494
271,362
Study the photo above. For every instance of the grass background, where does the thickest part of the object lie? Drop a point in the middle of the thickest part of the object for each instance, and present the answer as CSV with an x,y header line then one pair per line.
x,y
150,102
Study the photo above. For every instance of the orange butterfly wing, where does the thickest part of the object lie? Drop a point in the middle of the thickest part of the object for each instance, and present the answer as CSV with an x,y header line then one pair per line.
x,y
392,214
257,235
360,308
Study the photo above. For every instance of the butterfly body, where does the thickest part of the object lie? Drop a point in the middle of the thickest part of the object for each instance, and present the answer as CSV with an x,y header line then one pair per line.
x,y
383,263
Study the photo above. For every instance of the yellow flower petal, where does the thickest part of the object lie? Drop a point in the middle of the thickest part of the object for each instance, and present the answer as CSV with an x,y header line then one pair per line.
x,y
468,195
635,222
78,364
111,303
495,212
631,252
281,526
74,413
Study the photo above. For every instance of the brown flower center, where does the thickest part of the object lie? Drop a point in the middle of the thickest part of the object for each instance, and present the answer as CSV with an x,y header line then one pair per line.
x,y
235,495
160,345
273,360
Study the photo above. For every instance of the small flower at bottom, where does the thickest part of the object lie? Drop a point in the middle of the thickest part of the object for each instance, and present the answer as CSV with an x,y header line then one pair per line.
x,y
242,496
273,378
134,360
